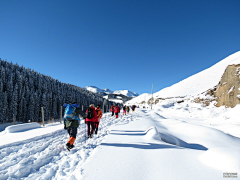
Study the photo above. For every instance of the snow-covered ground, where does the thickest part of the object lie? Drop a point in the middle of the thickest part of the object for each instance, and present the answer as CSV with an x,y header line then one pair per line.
x,y
171,141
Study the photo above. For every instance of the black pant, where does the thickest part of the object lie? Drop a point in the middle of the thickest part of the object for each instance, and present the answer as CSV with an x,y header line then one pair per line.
x,y
90,123
112,113
72,131
96,127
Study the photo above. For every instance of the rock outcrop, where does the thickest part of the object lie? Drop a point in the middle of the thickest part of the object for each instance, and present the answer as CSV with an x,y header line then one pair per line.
x,y
227,92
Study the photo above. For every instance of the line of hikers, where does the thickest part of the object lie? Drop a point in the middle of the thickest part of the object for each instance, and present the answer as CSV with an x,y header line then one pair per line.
x,y
72,118
126,110
92,119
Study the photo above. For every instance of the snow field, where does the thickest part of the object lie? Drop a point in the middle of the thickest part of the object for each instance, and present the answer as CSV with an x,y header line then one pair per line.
x,y
154,147
221,118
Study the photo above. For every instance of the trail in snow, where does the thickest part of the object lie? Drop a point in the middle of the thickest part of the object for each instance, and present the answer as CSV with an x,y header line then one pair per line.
x,y
46,156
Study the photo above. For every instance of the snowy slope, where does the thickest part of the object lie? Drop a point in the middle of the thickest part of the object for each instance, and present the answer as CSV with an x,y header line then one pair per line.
x,y
201,81
197,83
126,93
141,98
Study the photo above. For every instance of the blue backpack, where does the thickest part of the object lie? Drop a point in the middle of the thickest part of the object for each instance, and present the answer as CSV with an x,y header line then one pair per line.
x,y
70,112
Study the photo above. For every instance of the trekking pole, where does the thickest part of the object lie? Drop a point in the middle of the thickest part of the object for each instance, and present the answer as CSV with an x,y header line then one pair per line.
x,y
85,133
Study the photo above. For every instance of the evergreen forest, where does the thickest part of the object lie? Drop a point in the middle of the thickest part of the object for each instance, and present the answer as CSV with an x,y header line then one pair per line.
x,y
24,91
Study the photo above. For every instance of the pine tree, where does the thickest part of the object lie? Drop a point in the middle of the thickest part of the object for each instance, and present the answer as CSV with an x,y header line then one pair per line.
x,y
14,102
5,107
44,105
31,107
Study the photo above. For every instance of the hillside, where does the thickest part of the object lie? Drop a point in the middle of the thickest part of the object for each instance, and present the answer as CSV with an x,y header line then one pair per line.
x,y
195,84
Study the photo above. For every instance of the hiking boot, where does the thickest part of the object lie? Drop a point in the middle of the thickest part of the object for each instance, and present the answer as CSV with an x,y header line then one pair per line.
x,y
71,146
89,136
68,145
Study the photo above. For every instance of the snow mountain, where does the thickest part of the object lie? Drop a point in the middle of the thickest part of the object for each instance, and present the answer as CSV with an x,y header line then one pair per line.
x,y
106,91
95,89
126,93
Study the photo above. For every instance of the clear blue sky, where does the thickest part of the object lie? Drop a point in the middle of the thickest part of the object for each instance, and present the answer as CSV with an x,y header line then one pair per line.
x,y
119,44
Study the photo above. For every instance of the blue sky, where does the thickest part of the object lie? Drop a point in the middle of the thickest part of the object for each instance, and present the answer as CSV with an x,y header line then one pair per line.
x,y
119,44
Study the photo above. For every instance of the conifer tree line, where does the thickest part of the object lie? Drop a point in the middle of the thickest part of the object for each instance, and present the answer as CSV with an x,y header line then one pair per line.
x,y
24,91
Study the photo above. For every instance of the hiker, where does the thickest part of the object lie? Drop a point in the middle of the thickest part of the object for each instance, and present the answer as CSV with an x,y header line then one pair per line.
x,y
71,122
128,109
91,118
112,109
117,110
133,108
99,116
124,110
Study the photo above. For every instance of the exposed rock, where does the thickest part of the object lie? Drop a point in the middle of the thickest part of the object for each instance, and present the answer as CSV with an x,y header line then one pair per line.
x,y
143,102
150,101
180,101
227,92
205,101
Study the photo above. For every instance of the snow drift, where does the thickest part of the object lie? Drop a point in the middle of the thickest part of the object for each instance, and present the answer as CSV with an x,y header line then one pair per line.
x,y
22,127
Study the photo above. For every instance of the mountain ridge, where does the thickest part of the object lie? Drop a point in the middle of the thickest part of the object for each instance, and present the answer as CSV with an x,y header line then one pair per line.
x,y
106,91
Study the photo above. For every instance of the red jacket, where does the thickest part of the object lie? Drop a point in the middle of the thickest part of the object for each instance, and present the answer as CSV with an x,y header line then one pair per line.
x,y
117,110
95,118
112,108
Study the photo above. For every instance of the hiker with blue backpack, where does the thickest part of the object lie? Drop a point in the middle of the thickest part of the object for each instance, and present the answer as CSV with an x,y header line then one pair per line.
x,y
71,122
91,118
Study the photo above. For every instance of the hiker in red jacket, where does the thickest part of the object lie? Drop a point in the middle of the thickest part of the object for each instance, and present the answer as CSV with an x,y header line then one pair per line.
x,y
99,115
91,118
112,109
117,110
